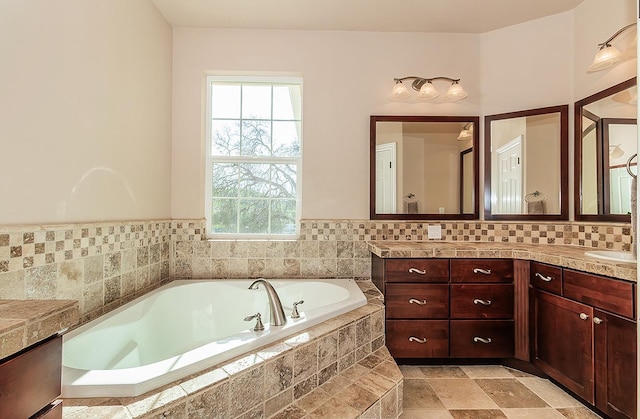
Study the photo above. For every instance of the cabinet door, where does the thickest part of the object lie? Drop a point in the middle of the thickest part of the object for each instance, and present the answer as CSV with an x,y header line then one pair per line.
x,y
616,365
563,342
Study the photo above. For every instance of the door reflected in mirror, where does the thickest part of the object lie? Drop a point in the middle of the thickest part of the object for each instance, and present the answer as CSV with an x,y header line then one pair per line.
x,y
424,167
605,149
526,159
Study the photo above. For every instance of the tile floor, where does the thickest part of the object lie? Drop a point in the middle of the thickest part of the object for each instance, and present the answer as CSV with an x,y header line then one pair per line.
x,y
484,392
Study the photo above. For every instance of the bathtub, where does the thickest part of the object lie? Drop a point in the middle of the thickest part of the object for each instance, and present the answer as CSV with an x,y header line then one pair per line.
x,y
187,326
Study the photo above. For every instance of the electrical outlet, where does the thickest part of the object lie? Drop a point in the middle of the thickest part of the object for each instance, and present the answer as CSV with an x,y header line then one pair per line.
x,y
434,232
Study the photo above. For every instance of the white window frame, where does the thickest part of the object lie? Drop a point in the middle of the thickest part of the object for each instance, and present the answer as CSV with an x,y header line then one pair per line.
x,y
209,159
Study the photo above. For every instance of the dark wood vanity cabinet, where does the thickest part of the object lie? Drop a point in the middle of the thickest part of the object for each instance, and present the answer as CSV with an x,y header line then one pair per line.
x,y
584,336
441,308
30,382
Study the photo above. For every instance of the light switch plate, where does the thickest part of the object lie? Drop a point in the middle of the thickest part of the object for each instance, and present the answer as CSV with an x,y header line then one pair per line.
x,y
434,232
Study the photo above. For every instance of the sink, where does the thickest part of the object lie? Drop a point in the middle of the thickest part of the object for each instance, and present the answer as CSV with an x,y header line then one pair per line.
x,y
614,255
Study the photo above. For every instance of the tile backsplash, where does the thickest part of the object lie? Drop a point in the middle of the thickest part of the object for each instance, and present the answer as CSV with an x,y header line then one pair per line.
x,y
104,265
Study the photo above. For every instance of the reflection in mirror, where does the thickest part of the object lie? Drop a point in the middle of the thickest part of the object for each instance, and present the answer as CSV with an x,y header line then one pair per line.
x,y
424,167
526,159
607,140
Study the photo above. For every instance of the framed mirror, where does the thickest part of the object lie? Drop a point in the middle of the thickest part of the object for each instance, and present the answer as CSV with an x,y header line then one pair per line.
x,y
605,142
424,167
526,165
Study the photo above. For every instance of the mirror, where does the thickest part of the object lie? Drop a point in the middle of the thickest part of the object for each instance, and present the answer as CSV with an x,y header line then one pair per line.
x,y
526,160
605,140
424,167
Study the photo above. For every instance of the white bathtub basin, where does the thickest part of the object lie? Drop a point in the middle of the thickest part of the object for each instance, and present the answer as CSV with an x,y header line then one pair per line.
x,y
613,255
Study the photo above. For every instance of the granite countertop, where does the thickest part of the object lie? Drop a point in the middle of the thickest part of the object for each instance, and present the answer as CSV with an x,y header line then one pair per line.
x,y
566,256
25,322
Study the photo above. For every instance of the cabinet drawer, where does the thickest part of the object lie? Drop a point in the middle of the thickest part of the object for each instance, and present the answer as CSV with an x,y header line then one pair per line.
x,y
417,301
30,380
482,301
481,338
418,338
417,270
546,277
482,270
598,291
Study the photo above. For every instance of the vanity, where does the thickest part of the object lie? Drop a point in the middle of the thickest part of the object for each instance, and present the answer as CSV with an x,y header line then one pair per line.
x,y
31,356
522,304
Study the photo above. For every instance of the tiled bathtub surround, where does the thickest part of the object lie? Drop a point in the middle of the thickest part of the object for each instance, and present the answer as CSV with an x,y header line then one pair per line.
x,y
336,369
337,248
101,265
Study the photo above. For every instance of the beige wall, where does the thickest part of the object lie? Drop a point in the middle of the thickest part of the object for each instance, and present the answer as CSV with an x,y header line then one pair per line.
x,y
347,77
88,131
85,111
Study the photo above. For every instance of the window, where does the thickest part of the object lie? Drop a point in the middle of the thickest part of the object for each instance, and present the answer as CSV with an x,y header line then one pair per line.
x,y
254,154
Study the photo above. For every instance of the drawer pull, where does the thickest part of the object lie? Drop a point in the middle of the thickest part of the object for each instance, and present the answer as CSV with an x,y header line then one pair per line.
x,y
583,316
415,301
482,271
544,278
417,271
483,302
483,340
418,340
597,320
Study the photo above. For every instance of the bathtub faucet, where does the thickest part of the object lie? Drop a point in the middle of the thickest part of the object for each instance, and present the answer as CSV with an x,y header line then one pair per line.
x,y
278,318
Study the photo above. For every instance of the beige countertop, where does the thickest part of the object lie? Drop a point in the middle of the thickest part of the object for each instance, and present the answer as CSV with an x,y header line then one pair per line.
x,y
566,256
25,322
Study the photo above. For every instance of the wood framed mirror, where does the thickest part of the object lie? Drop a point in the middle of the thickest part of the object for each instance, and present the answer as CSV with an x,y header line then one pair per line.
x,y
526,164
424,168
605,141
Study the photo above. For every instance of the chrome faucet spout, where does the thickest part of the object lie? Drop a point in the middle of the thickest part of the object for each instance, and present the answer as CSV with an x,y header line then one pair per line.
x,y
278,318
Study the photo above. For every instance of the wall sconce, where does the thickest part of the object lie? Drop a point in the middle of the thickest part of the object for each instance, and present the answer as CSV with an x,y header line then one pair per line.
x,y
615,151
465,133
426,90
608,55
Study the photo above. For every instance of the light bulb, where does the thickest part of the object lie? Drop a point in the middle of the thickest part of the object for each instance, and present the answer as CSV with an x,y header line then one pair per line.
x,y
455,92
606,57
399,92
427,91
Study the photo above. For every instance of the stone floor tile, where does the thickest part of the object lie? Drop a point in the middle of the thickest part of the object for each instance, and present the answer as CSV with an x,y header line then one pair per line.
x,y
459,393
578,413
486,371
543,413
418,394
425,413
411,371
549,392
478,414
438,371
510,393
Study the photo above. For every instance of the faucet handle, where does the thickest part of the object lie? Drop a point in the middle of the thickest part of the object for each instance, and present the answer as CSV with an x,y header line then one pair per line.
x,y
259,326
294,312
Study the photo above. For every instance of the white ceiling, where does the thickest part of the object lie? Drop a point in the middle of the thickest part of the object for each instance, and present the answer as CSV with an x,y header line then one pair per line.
x,y
457,16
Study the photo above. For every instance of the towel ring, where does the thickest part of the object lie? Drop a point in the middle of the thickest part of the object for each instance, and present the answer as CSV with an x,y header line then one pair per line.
x,y
629,166
534,194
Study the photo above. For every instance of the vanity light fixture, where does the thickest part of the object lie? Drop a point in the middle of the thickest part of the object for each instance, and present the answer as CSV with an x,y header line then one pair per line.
x,y
608,55
426,90
465,133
